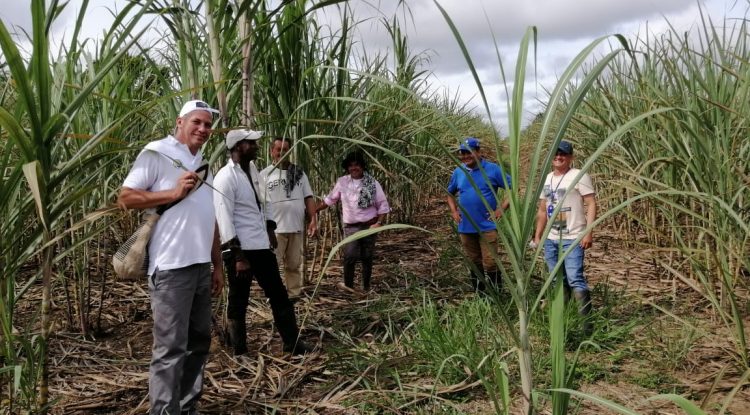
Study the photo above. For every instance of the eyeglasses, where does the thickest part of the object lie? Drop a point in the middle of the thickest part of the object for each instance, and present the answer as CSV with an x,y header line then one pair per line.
x,y
464,152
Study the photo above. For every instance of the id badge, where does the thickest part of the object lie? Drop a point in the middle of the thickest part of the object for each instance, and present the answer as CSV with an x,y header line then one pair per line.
x,y
550,209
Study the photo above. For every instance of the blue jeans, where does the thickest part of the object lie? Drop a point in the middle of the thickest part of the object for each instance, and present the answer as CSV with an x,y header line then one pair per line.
x,y
573,265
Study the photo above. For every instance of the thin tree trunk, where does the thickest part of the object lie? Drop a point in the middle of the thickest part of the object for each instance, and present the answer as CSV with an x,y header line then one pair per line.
x,y
247,117
46,326
214,51
524,361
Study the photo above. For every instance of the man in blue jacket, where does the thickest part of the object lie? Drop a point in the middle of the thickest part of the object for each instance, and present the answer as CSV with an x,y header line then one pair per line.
x,y
476,183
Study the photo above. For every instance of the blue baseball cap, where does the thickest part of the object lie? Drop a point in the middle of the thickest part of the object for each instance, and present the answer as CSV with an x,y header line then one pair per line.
x,y
565,147
469,144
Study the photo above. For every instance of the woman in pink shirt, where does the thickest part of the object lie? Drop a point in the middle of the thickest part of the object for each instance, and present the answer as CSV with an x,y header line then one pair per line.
x,y
364,206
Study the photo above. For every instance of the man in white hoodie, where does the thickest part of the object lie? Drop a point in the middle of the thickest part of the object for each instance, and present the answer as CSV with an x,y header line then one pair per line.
x,y
183,248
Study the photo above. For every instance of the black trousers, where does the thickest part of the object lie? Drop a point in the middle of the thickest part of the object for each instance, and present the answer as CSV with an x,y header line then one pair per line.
x,y
265,270
362,250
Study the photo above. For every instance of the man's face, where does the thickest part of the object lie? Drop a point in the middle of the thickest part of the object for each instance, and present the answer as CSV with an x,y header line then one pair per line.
x,y
469,157
194,129
355,170
247,149
562,160
279,149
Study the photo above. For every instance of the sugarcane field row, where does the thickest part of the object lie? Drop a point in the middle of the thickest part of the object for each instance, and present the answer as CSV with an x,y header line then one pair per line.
x,y
336,235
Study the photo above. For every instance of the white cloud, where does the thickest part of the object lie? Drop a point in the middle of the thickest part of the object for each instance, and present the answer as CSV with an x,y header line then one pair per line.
x,y
564,28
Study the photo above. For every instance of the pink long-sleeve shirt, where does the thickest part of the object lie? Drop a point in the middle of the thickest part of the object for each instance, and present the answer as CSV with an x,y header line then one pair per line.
x,y
347,191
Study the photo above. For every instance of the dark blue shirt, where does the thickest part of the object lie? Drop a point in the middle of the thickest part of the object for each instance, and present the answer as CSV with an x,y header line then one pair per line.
x,y
472,203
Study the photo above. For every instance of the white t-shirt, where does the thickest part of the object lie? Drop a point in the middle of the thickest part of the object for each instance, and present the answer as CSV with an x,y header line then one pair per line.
x,y
184,234
288,211
237,210
571,218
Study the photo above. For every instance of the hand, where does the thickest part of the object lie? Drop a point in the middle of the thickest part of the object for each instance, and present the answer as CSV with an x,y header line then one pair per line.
x,y
272,239
185,183
376,225
241,265
498,213
456,217
587,241
312,228
217,280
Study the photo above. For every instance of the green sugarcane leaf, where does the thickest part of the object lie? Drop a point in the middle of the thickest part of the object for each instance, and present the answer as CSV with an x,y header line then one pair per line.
x,y
35,178
689,407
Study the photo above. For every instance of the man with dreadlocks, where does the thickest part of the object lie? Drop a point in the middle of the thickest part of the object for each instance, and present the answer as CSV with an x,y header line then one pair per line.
x,y
286,187
364,206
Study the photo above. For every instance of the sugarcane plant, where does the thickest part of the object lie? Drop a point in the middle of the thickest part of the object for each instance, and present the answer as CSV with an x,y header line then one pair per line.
x,y
36,124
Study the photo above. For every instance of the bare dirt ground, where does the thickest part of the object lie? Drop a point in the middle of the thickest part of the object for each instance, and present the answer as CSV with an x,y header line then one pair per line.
x,y
109,374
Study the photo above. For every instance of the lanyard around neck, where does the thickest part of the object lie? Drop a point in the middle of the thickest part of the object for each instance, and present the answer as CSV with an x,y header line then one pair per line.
x,y
554,191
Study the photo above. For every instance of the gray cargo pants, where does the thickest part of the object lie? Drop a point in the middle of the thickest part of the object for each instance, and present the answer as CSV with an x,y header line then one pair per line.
x,y
181,307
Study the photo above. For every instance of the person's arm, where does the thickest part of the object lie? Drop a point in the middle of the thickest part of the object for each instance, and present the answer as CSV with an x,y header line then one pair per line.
x,y
455,214
312,211
451,199
501,179
224,200
502,207
259,185
321,206
217,277
590,201
331,199
381,204
142,199
541,220
379,222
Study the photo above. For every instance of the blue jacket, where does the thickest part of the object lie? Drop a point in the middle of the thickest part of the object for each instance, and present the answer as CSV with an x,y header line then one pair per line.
x,y
472,203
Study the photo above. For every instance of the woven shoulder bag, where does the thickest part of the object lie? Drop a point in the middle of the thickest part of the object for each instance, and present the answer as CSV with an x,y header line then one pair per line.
x,y
131,259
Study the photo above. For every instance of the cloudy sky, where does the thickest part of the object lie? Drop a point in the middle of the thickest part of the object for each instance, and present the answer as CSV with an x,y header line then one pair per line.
x,y
564,28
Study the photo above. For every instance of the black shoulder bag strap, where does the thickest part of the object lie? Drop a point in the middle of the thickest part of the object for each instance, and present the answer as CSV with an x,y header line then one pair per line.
x,y
202,173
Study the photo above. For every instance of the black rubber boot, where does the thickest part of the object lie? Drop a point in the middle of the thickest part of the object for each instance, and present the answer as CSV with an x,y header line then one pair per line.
x,y
366,274
583,297
349,268
286,322
496,279
477,280
238,336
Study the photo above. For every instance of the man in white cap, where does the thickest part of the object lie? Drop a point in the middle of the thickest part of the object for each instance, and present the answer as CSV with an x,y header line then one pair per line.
x,y
247,236
183,247
286,186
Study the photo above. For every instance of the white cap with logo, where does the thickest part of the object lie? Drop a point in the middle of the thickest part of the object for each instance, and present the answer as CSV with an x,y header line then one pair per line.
x,y
195,105
235,136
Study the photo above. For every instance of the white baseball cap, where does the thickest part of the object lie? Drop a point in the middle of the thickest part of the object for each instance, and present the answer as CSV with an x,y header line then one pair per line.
x,y
194,105
235,136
